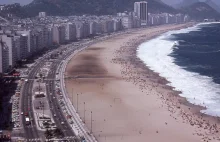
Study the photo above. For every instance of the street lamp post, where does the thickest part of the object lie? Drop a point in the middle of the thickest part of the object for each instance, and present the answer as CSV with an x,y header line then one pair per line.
x,y
91,121
72,96
39,87
43,109
84,112
77,103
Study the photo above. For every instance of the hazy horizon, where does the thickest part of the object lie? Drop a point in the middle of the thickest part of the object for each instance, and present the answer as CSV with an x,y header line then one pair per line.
x,y
24,2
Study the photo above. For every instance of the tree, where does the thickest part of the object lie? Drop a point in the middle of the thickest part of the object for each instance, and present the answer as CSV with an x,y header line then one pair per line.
x,y
41,75
58,132
48,134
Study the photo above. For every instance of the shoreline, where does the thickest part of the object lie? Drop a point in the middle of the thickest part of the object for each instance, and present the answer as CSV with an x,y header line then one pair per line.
x,y
212,122
133,73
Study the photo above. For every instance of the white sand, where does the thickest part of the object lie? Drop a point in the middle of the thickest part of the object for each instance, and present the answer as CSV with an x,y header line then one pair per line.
x,y
122,110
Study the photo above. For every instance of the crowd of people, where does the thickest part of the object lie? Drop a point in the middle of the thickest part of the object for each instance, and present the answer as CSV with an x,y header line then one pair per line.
x,y
151,83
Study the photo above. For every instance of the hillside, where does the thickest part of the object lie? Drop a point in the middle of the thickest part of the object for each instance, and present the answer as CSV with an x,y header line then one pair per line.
x,y
185,3
200,11
213,5
15,9
98,7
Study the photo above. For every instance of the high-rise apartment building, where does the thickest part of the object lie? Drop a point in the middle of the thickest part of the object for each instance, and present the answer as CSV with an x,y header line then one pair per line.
x,y
92,28
12,51
141,10
24,46
28,34
4,61
17,47
59,34
127,22
70,33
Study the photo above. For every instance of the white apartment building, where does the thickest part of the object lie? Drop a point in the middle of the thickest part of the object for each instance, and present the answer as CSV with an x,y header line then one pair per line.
x,y
99,28
92,28
12,51
70,32
141,10
136,22
79,30
107,26
17,47
117,25
127,22
28,34
24,46
59,32
4,61
86,29
45,37
34,42
42,14
50,34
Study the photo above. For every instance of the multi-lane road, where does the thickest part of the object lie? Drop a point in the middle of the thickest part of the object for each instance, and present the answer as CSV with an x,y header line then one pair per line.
x,y
54,104
30,131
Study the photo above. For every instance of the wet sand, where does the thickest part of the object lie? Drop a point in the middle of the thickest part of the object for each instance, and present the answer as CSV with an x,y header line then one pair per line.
x,y
128,101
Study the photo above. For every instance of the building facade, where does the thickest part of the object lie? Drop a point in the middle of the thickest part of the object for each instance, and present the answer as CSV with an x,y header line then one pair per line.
x,y
59,32
12,52
70,33
42,14
141,10
4,66
23,46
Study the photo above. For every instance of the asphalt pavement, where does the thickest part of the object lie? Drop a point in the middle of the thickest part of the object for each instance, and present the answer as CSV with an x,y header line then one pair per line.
x,y
30,131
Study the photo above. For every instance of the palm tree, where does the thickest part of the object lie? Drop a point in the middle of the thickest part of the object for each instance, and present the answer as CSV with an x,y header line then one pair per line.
x,y
48,134
41,75
58,132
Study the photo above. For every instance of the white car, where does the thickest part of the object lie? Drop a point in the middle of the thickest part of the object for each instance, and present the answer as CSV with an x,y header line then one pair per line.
x,y
62,123
22,113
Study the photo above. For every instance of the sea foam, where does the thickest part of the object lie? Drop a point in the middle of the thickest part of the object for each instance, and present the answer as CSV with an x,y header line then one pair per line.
x,y
198,89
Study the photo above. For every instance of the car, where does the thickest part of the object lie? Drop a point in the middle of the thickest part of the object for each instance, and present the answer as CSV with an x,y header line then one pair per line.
x,y
22,113
62,123
54,115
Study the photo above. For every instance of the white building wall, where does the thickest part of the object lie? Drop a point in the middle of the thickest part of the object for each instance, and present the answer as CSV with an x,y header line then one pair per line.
x,y
28,33
141,10
92,28
56,36
79,30
17,47
4,59
42,14
70,31
127,22
24,46
9,41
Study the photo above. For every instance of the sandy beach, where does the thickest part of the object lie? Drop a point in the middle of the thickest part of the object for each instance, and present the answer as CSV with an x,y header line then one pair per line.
x,y
128,101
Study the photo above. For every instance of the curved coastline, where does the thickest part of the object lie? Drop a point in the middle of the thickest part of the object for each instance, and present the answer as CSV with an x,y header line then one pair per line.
x,y
110,74
198,89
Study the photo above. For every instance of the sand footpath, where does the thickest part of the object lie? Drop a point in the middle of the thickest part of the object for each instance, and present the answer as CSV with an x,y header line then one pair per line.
x,y
129,102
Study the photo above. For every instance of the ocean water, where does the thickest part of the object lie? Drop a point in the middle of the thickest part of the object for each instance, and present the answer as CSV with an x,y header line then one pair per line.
x,y
190,60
